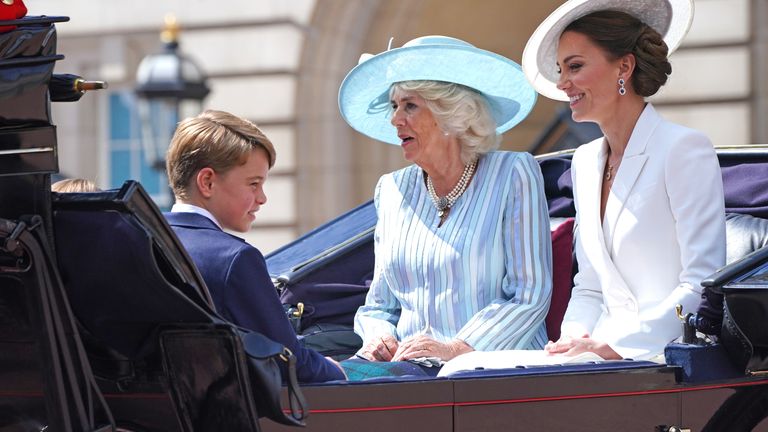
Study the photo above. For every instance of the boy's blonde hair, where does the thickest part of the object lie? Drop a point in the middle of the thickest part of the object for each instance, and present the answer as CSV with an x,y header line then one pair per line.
x,y
74,185
215,139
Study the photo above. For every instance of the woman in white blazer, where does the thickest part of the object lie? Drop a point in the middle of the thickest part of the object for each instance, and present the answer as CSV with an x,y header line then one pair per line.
x,y
649,196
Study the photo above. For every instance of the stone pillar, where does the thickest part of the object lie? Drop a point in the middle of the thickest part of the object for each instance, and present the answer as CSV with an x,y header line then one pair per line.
x,y
336,167
759,71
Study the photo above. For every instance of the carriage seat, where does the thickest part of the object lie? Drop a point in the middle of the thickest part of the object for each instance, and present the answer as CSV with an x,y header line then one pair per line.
x,y
144,308
744,234
129,274
562,274
699,363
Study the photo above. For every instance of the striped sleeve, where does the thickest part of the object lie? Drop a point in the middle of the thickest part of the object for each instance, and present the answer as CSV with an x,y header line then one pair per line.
x,y
381,311
515,321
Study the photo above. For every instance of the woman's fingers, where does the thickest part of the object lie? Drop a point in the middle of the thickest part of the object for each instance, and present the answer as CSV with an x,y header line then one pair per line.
x,y
421,346
411,348
381,349
571,347
568,345
411,352
559,347
384,353
390,344
402,349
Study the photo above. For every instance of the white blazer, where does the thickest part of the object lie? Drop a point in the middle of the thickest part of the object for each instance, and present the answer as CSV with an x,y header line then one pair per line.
x,y
663,232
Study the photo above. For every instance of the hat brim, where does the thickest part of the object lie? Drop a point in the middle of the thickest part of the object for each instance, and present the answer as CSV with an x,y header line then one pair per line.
x,y
671,18
364,94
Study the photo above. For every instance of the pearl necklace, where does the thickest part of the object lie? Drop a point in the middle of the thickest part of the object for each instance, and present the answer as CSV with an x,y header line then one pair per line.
x,y
443,204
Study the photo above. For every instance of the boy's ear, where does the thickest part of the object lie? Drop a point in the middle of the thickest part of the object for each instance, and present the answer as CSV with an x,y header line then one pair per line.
x,y
204,181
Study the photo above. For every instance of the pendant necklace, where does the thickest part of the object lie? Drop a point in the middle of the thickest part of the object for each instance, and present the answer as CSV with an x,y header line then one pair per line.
x,y
443,204
608,172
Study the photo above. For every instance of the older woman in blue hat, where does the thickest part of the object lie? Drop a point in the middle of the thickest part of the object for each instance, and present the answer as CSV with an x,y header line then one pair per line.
x,y
462,243
648,194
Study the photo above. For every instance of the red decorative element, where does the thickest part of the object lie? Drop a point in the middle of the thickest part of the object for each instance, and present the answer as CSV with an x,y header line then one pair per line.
x,y
12,11
562,280
456,404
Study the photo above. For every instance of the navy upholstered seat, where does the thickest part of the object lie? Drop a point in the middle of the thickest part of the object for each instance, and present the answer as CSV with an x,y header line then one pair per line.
x,y
141,301
124,271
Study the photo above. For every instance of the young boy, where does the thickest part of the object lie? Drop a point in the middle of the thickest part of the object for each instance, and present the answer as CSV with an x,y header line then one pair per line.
x,y
217,164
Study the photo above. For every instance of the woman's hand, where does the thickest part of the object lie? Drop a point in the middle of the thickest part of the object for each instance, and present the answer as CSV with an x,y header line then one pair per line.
x,y
425,346
382,348
571,346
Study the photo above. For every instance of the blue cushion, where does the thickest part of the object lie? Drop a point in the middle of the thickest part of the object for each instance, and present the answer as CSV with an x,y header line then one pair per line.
x,y
701,363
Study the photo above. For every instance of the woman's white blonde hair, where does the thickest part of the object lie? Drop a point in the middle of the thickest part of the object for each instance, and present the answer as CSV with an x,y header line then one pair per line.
x,y
459,111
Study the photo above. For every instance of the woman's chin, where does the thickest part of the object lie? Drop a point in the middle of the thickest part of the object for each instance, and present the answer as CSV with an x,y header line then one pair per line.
x,y
407,155
580,117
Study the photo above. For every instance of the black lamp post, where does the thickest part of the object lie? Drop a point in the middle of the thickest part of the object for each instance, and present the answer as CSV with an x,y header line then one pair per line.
x,y
170,86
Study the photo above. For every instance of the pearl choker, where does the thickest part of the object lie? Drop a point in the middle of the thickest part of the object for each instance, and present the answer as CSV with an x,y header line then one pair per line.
x,y
443,204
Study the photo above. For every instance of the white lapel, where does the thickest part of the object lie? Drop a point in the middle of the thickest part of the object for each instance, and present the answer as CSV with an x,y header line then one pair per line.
x,y
590,173
631,166
593,183
589,209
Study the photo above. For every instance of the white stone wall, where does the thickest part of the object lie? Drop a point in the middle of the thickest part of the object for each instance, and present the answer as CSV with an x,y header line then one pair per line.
x,y
710,86
252,50
249,48
114,15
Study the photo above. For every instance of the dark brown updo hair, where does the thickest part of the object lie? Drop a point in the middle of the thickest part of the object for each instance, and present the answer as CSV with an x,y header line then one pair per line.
x,y
620,33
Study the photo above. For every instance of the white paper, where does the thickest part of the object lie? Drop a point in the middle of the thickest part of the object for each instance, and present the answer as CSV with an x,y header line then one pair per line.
x,y
510,359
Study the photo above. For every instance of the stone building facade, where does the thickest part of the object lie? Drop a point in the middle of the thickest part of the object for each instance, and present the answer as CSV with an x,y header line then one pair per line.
x,y
280,63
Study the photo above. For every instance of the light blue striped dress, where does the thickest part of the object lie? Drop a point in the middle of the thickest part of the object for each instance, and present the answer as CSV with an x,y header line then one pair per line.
x,y
484,277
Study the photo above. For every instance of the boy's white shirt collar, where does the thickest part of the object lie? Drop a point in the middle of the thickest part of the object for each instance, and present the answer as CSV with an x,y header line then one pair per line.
x,y
189,208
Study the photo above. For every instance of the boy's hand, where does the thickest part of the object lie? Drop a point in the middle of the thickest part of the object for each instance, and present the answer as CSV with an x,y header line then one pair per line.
x,y
338,365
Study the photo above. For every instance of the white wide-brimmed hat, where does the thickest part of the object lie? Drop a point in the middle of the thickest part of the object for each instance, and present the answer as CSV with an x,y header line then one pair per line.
x,y
364,94
671,18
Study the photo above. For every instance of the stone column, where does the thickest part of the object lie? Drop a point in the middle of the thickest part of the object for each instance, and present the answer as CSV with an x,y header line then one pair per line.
x,y
760,71
337,167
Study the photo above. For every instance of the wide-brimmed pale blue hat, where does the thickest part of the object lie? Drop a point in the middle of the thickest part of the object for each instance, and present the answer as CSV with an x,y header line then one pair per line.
x,y
671,18
364,94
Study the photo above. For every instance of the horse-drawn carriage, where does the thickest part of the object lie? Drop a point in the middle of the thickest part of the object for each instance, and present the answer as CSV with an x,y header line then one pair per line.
x,y
105,322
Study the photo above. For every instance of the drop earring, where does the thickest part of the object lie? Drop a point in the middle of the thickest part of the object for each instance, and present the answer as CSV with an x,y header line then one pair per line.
x,y
622,89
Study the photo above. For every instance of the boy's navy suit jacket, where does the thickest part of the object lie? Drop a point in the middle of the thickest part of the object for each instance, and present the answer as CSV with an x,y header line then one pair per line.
x,y
242,290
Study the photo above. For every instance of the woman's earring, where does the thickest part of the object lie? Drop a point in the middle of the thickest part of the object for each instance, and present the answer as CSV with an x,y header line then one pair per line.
x,y
622,90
